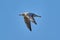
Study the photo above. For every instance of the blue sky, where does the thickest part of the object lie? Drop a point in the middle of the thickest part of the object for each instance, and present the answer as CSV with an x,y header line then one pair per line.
x,y
13,27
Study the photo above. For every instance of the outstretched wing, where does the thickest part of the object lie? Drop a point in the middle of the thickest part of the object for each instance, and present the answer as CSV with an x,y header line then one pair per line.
x,y
33,15
34,20
27,21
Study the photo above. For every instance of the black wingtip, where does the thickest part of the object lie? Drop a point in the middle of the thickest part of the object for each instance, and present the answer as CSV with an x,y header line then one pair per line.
x,y
35,22
30,29
40,16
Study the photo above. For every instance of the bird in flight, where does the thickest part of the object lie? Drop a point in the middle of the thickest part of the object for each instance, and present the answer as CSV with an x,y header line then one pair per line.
x,y
28,18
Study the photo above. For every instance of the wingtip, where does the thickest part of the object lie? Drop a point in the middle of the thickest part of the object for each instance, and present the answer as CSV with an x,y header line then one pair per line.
x,y
40,16
30,29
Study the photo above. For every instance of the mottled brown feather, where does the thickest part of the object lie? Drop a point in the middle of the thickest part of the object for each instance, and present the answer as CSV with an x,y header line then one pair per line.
x,y
27,21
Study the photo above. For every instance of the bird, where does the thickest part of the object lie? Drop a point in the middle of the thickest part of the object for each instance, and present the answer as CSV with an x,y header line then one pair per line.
x,y
28,18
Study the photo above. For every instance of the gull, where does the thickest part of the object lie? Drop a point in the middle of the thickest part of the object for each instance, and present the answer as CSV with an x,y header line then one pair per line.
x,y
28,18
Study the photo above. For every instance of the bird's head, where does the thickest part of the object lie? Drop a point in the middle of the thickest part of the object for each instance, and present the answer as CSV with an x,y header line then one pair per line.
x,y
23,14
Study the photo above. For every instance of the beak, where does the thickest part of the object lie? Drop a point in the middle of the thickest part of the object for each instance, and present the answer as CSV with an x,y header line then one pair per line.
x,y
20,14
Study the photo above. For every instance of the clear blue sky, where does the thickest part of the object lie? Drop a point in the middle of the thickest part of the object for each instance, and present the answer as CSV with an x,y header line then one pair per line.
x,y
12,26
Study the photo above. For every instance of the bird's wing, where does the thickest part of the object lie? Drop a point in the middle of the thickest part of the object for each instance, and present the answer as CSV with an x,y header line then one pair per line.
x,y
27,21
34,15
34,20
